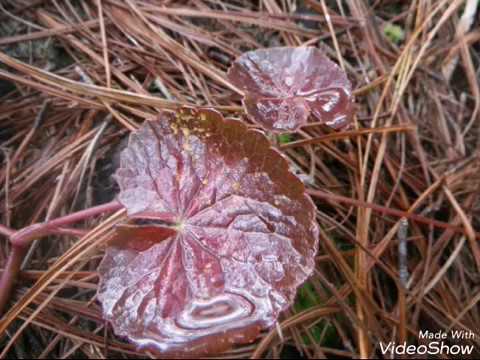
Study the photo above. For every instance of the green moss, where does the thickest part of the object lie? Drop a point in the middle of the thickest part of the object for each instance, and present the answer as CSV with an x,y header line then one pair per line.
x,y
284,138
323,332
394,33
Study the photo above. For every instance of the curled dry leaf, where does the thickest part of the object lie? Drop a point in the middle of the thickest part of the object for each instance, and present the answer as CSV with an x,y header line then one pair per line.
x,y
222,234
283,86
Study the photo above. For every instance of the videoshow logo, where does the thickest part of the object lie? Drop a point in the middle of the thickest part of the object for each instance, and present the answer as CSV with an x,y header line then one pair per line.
x,y
435,346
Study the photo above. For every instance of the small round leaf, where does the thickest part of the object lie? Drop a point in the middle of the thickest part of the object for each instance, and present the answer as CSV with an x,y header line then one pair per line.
x,y
284,86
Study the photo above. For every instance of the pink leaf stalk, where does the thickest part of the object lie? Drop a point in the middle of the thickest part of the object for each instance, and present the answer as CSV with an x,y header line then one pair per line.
x,y
21,240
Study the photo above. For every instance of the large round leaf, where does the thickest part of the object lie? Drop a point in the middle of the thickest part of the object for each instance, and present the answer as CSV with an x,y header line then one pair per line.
x,y
283,86
222,234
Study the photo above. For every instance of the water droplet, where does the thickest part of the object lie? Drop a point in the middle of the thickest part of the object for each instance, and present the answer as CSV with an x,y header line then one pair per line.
x,y
216,311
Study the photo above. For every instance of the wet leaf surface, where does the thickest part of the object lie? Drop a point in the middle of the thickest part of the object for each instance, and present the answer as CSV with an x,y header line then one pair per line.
x,y
222,234
284,86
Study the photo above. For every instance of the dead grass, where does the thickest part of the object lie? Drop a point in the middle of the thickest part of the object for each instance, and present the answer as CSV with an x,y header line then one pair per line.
x,y
77,76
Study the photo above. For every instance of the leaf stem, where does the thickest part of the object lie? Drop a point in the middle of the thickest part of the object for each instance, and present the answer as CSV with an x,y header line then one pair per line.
x,y
21,240
10,274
